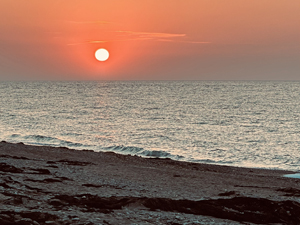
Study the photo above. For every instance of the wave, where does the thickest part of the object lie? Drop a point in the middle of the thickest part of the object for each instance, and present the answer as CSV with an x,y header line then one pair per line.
x,y
142,152
211,161
44,140
121,149
40,138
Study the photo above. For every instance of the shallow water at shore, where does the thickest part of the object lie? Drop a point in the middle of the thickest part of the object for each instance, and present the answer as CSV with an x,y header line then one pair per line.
x,y
248,124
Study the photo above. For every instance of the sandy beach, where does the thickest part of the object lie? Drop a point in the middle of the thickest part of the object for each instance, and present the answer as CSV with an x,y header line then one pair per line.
x,y
47,185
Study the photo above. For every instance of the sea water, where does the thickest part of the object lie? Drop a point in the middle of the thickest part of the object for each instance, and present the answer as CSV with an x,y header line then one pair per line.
x,y
248,124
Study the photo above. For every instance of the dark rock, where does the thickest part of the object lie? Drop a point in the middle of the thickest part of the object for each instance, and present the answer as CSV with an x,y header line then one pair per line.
x,y
52,166
102,185
51,180
255,210
4,185
42,171
290,191
227,193
242,209
13,157
8,168
56,202
93,185
34,188
25,221
74,163
7,222
25,218
94,203
17,199
48,180
195,168
63,178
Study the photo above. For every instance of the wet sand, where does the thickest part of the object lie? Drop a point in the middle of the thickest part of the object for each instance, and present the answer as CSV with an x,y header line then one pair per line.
x,y
46,185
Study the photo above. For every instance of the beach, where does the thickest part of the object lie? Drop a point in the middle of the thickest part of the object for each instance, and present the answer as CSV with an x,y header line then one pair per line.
x,y
48,185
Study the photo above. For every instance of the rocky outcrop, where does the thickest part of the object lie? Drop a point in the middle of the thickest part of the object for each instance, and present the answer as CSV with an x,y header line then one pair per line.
x,y
242,209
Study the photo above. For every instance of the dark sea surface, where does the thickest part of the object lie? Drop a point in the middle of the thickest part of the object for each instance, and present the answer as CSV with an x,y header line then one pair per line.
x,y
248,124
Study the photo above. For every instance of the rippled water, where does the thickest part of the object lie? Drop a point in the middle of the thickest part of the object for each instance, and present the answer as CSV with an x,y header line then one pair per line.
x,y
253,124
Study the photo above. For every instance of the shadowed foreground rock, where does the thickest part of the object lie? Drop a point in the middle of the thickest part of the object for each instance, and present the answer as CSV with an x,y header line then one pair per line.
x,y
243,209
45,185
26,218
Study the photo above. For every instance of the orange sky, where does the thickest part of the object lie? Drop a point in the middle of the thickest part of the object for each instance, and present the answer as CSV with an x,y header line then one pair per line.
x,y
150,39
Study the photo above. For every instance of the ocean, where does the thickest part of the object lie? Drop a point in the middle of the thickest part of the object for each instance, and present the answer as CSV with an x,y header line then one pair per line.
x,y
237,123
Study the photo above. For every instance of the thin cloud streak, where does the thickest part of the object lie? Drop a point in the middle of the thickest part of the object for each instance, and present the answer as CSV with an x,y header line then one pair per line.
x,y
191,42
88,42
142,36
89,22
105,41
152,35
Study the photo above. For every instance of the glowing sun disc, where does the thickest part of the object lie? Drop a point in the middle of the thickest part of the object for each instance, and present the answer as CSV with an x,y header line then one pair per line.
x,y
102,54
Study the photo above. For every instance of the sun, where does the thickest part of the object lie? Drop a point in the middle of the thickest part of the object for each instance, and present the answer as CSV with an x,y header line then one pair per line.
x,y
102,54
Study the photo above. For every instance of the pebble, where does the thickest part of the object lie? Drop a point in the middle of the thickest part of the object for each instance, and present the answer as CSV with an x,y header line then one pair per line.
x,y
55,202
50,222
18,217
4,216
25,221
3,197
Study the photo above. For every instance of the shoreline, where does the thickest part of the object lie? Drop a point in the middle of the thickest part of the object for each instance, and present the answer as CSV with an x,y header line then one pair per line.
x,y
67,185
290,171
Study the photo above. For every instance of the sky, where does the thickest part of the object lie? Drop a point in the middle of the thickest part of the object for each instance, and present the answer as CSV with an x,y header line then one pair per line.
x,y
150,39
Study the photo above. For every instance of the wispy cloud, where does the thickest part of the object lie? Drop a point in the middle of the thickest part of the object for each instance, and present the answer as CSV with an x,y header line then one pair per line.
x,y
112,40
143,36
191,42
151,35
89,42
89,22
166,37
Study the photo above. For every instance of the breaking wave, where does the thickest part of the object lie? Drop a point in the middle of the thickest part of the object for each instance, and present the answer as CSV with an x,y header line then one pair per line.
x,y
142,152
45,141
57,142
